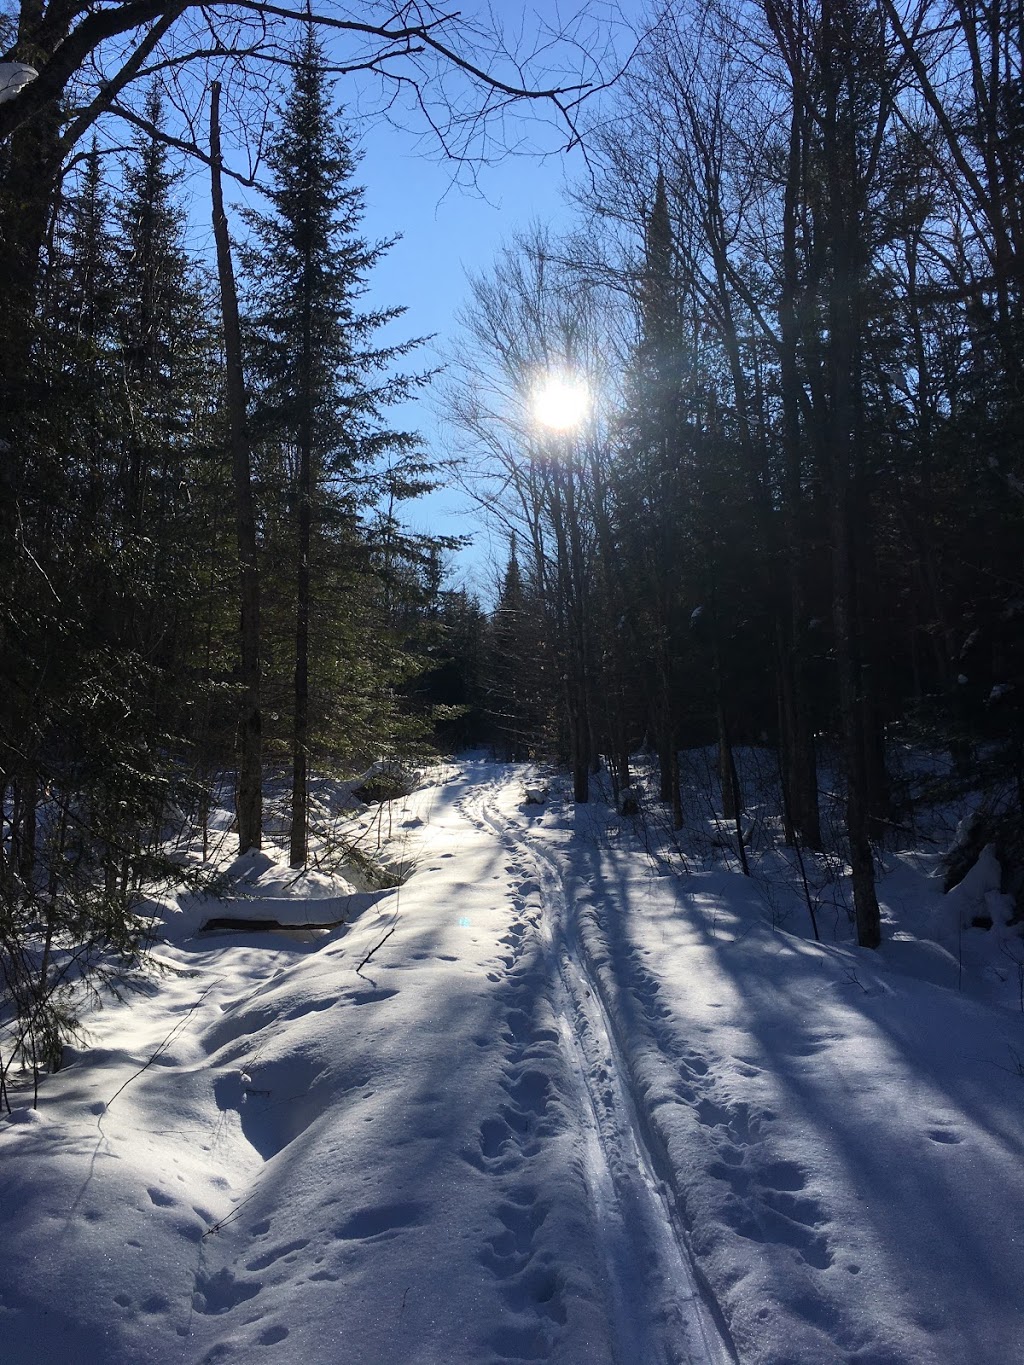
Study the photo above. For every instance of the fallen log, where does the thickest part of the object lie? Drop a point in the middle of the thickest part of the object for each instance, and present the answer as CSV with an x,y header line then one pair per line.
x,y
248,926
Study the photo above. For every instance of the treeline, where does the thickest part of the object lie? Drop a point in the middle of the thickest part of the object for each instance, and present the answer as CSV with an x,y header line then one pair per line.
x,y
796,513
128,698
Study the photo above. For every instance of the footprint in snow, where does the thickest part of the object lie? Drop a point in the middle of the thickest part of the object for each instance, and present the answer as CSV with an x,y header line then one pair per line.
x,y
518,1026
508,1252
368,997
269,1257
495,1134
782,1175
746,1069
945,1136
758,1221
530,1091
797,1208
693,1065
528,1285
739,1124
219,1293
375,1221
538,1289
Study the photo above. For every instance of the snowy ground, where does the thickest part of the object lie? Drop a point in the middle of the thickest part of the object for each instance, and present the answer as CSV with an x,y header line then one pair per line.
x,y
574,1108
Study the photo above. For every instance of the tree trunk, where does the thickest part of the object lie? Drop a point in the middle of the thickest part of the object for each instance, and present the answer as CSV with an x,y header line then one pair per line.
x,y
666,748
580,763
304,489
300,733
677,788
843,341
249,797
732,800
865,902
799,765
27,807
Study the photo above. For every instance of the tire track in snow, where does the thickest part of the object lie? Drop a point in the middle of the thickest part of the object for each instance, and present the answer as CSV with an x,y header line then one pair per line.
x,y
659,1314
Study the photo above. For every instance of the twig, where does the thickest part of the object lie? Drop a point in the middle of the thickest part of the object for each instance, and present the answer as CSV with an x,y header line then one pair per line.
x,y
394,926
163,1046
852,979
229,1218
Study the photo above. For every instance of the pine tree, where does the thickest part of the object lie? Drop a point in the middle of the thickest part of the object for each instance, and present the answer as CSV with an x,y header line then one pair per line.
x,y
655,501
163,320
520,699
322,382
98,613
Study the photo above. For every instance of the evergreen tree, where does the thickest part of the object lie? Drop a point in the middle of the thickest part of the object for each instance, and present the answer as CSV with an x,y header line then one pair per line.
x,y
454,688
519,695
99,613
656,492
323,384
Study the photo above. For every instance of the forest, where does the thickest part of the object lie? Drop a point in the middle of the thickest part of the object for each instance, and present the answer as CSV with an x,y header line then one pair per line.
x,y
789,520
794,516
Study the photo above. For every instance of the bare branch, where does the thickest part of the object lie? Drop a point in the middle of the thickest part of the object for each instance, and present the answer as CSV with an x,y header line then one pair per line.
x,y
69,37
191,149
129,72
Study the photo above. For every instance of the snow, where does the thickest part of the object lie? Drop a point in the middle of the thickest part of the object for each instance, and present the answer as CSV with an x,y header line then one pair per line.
x,y
14,76
575,1105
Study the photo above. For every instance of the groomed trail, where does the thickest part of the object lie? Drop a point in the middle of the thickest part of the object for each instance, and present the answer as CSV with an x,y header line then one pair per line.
x,y
545,1101
658,1310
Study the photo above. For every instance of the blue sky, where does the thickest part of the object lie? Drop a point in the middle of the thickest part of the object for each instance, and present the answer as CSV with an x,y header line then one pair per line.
x,y
448,229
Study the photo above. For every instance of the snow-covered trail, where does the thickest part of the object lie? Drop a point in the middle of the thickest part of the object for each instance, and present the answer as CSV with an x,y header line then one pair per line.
x,y
524,1108
658,1311
841,1135
431,1160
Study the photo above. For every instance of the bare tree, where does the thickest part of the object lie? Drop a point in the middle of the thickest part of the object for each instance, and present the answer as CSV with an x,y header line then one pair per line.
x,y
249,798
531,317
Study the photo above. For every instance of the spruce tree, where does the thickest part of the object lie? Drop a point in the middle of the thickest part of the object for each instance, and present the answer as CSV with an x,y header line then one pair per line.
x,y
655,503
323,384
98,612
519,695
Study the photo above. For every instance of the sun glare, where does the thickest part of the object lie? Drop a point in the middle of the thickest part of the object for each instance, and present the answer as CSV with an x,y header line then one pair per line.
x,y
561,402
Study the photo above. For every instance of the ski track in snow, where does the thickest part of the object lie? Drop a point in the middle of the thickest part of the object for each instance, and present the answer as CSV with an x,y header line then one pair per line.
x,y
659,1314
564,1101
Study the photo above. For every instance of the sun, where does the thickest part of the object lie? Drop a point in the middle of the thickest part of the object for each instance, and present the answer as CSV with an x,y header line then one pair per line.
x,y
561,401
